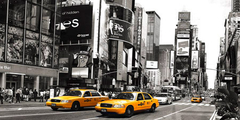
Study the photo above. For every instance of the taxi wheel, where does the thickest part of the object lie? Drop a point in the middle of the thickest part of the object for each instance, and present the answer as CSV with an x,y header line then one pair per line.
x,y
129,111
54,108
75,106
152,109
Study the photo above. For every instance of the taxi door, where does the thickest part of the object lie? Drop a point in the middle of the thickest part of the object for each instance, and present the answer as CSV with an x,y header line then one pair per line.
x,y
96,97
87,99
148,101
140,102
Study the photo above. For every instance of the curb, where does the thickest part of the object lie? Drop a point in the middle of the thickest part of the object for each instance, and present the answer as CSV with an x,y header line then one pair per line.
x,y
23,108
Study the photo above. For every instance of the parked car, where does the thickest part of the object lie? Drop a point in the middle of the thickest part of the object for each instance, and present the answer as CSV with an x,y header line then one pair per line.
x,y
164,98
126,103
76,99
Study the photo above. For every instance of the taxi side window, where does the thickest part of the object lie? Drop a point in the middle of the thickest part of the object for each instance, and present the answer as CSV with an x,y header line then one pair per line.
x,y
95,93
87,94
146,96
139,97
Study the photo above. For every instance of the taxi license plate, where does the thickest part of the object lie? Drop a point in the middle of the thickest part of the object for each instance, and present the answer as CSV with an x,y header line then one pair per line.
x,y
53,104
103,110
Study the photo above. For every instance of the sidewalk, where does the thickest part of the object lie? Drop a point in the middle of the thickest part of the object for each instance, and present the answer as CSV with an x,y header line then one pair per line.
x,y
22,104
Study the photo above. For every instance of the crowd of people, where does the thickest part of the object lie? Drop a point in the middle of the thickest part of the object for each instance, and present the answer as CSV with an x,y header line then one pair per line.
x,y
23,94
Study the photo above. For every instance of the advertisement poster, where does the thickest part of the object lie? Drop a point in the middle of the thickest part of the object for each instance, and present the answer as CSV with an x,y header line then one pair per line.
x,y
194,60
182,47
172,59
2,41
77,23
182,65
120,30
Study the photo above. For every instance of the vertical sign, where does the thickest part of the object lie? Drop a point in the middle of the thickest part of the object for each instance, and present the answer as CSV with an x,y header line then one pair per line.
x,y
194,60
119,61
172,59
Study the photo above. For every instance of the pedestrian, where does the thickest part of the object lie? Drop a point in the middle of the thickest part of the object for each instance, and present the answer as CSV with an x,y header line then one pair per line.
x,y
41,96
47,94
10,95
35,94
1,95
30,94
13,94
18,95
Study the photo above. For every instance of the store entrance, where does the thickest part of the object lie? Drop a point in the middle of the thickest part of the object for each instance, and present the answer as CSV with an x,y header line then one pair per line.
x,y
11,84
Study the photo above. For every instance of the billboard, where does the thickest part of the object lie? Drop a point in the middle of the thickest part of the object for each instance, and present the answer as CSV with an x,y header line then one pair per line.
x,y
172,59
181,65
120,30
182,47
77,23
152,64
184,16
194,60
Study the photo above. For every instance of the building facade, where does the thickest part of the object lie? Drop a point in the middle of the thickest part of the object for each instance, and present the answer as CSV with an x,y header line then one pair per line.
x,y
153,35
29,43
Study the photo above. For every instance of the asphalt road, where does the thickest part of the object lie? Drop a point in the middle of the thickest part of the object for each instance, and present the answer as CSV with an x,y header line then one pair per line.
x,y
179,110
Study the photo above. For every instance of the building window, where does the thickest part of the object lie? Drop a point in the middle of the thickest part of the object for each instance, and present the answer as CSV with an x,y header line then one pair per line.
x,y
2,41
33,17
16,12
31,48
46,51
47,22
3,9
15,44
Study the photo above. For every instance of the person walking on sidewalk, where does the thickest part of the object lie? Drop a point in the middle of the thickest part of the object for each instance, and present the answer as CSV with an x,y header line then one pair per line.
x,y
18,95
35,94
41,95
1,95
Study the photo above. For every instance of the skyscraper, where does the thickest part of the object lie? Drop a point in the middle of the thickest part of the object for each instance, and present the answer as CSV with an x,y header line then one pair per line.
x,y
235,5
153,35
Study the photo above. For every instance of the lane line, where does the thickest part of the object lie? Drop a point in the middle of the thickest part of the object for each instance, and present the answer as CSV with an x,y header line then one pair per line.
x,y
173,113
213,115
91,118
38,114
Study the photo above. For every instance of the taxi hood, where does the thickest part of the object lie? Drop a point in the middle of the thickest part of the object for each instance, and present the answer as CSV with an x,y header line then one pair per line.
x,y
117,101
66,97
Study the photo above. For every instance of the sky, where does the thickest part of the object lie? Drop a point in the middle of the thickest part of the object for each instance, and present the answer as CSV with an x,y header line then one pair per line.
x,y
208,15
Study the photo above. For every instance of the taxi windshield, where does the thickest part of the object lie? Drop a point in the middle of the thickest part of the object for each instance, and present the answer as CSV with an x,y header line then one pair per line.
x,y
73,93
161,95
128,96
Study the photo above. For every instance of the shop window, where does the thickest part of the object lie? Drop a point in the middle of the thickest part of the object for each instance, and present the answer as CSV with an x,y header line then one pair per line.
x,y
46,55
50,4
33,17
16,12
15,44
44,83
56,49
2,41
3,9
47,21
35,1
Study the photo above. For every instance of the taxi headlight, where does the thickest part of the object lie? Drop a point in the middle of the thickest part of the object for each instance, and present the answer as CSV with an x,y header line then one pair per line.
x,y
66,101
119,106
48,100
98,105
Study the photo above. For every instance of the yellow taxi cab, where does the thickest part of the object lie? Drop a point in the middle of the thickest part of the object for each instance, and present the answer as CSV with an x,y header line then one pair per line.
x,y
196,98
76,99
126,103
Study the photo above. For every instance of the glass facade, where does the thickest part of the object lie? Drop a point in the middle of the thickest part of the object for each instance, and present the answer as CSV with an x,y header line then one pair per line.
x,y
29,37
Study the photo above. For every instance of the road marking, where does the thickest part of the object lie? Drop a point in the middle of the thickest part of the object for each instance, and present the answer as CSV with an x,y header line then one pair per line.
x,y
19,108
38,114
91,118
213,115
172,113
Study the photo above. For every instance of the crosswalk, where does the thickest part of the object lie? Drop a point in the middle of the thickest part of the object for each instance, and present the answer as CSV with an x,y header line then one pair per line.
x,y
194,104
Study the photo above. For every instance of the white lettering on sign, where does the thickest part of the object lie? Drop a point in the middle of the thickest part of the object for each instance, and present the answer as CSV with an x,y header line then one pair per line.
x,y
5,67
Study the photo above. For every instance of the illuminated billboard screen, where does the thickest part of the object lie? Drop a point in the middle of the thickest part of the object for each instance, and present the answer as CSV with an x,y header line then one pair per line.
x,y
195,60
182,47
77,23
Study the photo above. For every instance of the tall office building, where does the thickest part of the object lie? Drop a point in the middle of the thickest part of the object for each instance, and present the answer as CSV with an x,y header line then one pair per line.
x,y
153,35
235,5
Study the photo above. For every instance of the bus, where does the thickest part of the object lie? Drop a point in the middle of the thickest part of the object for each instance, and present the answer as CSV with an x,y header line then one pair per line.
x,y
175,91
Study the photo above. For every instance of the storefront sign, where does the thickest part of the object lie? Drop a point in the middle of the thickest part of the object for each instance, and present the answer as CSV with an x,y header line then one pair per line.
x,y
228,78
5,67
